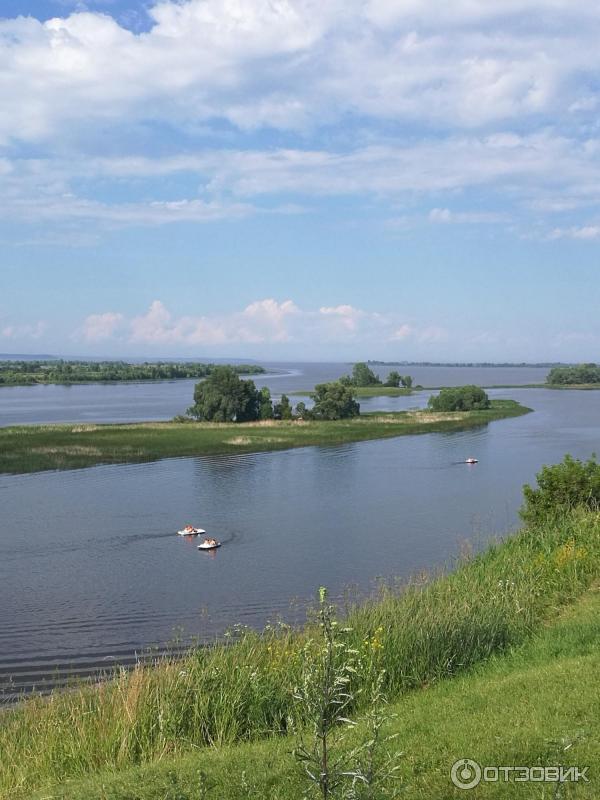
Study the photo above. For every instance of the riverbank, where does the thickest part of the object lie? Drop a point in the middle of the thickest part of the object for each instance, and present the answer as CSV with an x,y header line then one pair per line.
x,y
142,735
520,707
42,447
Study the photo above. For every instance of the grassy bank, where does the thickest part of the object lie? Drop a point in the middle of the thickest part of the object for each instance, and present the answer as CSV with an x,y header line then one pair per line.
x,y
41,447
580,386
537,705
421,635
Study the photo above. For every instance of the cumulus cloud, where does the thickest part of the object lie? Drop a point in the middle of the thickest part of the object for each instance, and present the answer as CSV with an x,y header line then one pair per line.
x,y
294,63
27,331
98,327
266,321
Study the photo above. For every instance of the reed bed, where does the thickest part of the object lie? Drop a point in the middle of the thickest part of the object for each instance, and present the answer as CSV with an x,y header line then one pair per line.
x,y
419,633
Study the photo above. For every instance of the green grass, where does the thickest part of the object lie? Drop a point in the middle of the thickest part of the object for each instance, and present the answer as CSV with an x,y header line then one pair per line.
x,y
422,635
536,705
42,447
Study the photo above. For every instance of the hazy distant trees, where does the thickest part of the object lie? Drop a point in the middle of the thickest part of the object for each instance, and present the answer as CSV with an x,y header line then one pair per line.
x,y
460,398
61,371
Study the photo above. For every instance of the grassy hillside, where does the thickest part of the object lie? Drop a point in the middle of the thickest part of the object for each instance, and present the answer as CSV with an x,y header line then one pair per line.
x,y
538,704
425,636
40,447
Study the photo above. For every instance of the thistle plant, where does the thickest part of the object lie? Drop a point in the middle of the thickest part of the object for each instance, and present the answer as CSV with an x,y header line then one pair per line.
x,y
374,765
326,695
323,699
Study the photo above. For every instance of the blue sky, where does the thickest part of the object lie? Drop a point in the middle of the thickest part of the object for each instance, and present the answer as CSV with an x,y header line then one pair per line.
x,y
293,179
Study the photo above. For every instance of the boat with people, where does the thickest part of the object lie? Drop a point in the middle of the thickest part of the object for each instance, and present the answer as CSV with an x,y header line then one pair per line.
x,y
471,461
189,530
209,544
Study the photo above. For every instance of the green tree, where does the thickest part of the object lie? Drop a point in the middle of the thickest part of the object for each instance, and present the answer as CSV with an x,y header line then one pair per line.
x,y
265,405
569,376
407,381
561,487
283,409
334,401
393,379
460,398
363,375
224,397
301,411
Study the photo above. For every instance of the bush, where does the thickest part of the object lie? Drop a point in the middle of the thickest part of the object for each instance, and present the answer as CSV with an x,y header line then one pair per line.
x,y
460,398
562,487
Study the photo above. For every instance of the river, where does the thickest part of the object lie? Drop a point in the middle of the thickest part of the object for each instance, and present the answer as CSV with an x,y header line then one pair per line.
x,y
92,572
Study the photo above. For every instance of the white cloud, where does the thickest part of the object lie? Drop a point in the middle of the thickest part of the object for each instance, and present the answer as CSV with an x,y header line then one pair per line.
x,y
98,327
462,75
298,63
542,173
446,216
588,232
261,321
403,332
266,321
345,317
27,331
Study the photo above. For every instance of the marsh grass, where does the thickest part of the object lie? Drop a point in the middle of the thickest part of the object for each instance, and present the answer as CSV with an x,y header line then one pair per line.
x,y
31,448
418,634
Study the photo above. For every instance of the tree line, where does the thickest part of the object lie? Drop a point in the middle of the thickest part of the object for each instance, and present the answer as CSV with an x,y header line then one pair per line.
x,y
61,371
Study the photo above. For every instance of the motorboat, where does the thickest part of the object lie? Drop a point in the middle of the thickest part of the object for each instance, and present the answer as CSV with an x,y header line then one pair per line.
x,y
189,530
471,461
209,544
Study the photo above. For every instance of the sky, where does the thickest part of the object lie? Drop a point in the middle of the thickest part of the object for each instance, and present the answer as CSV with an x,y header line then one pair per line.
x,y
293,179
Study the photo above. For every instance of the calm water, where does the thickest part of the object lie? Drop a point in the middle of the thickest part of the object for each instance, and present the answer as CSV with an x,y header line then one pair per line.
x,y
91,569
133,402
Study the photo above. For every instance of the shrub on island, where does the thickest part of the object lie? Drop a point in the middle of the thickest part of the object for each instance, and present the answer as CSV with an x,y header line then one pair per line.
x,y
460,398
